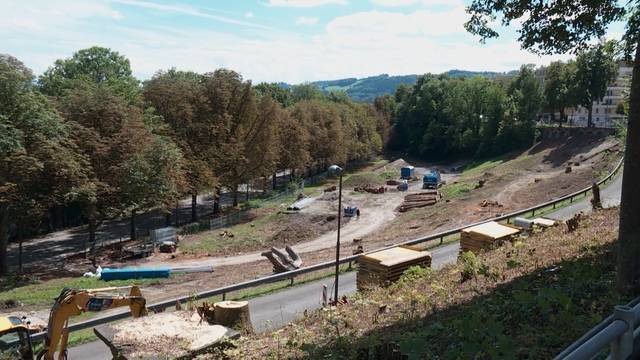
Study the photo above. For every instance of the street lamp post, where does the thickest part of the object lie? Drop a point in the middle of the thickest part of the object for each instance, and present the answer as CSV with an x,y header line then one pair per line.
x,y
337,170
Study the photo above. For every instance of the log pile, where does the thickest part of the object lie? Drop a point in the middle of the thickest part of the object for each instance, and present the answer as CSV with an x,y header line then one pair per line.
x,y
485,236
371,190
418,200
386,266
283,262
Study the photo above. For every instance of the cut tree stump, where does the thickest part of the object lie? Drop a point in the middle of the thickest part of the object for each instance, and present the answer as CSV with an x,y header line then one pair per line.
x,y
233,314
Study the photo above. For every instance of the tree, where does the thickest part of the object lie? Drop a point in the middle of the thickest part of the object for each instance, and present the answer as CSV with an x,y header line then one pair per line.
x,y
179,98
525,93
569,26
595,69
96,65
39,162
556,89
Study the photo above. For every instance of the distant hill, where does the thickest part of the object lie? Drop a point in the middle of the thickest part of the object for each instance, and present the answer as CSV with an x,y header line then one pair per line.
x,y
367,89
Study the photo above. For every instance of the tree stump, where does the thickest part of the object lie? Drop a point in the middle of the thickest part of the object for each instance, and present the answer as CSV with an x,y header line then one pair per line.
x,y
234,314
596,203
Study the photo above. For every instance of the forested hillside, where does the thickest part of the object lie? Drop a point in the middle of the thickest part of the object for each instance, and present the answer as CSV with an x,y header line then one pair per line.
x,y
88,135
367,89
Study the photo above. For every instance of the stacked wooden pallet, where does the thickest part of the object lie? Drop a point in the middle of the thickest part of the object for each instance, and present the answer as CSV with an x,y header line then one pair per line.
x,y
418,200
386,266
485,236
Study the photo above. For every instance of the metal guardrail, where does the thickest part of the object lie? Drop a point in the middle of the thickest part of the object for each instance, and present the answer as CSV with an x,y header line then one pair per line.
x,y
290,275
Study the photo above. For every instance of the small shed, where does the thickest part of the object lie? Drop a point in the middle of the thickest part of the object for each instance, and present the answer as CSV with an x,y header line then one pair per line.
x,y
407,172
386,266
485,236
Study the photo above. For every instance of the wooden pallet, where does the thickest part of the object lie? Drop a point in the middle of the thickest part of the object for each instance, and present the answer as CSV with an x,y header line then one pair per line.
x,y
386,266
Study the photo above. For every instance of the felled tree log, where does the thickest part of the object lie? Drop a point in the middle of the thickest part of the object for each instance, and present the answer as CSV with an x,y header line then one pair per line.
x,y
278,265
234,314
283,262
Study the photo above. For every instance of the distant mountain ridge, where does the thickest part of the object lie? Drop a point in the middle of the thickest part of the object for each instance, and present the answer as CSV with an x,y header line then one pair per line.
x,y
367,89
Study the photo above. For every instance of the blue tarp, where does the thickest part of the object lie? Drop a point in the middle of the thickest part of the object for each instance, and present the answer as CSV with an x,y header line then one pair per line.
x,y
135,273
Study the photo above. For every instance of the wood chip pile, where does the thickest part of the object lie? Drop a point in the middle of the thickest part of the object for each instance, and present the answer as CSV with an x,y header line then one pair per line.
x,y
386,266
167,335
418,200
485,236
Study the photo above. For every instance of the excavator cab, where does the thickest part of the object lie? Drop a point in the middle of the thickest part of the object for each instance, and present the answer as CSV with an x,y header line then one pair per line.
x,y
15,342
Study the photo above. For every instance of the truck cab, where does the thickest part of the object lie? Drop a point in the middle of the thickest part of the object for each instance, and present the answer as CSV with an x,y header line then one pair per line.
x,y
432,179
15,342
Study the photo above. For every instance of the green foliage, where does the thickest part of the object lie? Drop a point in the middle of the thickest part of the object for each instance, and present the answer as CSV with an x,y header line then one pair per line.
x,y
595,68
442,117
414,273
96,65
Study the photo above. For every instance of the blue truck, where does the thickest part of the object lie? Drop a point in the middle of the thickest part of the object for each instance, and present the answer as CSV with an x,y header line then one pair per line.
x,y
432,179
407,172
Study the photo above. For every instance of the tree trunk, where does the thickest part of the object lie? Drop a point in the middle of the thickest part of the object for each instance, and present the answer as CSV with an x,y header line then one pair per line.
x,y
133,225
247,196
629,229
590,116
20,238
194,207
91,241
233,314
275,180
4,238
167,218
561,117
235,195
216,202
177,214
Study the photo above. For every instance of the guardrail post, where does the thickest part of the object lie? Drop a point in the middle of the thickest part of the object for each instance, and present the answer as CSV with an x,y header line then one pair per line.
x,y
622,347
224,296
533,212
441,239
291,281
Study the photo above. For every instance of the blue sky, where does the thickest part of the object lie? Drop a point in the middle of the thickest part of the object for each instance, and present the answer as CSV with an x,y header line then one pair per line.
x,y
264,40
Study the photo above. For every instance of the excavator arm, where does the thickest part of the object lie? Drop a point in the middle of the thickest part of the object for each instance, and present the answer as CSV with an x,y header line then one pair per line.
x,y
73,302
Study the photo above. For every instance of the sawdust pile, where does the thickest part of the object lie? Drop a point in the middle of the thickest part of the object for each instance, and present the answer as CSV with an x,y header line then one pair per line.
x,y
170,334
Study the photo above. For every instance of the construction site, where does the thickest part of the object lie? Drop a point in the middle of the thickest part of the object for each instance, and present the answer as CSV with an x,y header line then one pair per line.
x,y
382,203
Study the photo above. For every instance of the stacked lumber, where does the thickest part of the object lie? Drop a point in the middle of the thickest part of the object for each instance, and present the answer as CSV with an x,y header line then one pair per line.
x,y
485,236
418,200
386,266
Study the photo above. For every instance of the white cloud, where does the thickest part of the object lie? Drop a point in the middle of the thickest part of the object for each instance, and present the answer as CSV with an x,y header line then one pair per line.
x,y
305,3
309,21
360,44
249,15
418,23
187,10
39,15
398,3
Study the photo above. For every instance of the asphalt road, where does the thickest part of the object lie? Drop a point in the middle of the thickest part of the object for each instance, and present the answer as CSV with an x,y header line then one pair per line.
x,y
277,309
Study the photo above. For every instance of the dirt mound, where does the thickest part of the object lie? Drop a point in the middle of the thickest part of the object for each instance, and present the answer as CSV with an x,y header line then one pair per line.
x,y
364,180
396,165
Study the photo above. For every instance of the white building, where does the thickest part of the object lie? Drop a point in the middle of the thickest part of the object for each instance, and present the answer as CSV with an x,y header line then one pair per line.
x,y
604,111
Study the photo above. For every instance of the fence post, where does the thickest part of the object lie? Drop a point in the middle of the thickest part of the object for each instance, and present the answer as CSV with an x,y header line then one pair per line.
x,y
622,347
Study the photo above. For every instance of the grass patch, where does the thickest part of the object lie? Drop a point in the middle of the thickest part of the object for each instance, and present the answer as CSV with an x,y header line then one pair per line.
x,y
529,299
43,293
451,191
477,167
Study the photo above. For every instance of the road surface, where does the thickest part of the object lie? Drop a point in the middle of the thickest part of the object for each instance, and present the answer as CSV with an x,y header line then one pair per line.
x,y
280,308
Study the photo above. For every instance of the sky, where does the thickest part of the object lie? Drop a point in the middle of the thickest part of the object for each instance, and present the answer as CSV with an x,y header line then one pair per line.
x,y
265,40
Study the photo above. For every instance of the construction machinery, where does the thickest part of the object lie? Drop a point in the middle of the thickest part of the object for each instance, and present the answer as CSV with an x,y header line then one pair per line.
x,y
15,342
432,179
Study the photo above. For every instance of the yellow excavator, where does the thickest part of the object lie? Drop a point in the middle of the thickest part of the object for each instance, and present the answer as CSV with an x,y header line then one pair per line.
x,y
15,342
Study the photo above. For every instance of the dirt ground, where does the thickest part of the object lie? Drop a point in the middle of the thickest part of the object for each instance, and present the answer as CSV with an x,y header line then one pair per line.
x,y
523,179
